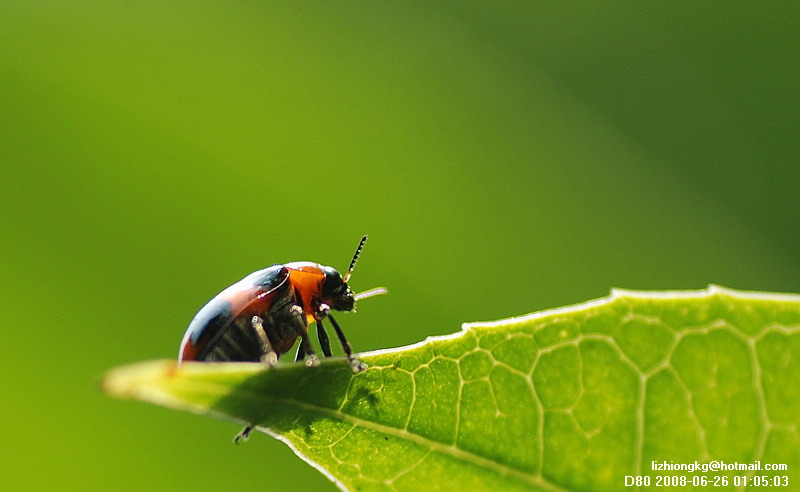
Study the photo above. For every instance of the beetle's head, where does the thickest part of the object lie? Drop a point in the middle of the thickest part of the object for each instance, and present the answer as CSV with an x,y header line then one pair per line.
x,y
335,291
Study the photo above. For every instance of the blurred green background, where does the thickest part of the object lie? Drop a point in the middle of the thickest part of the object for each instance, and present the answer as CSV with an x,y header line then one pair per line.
x,y
504,157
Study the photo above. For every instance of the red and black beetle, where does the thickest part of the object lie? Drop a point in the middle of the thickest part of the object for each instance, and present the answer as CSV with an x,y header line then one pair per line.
x,y
260,317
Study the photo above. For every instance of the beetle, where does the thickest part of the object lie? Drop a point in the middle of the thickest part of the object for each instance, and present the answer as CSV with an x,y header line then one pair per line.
x,y
260,317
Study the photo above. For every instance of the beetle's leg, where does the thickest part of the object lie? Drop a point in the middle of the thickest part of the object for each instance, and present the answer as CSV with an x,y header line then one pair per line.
x,y
322,334
301,353
244,435
323,311
324,341
301,328
268,354
355,364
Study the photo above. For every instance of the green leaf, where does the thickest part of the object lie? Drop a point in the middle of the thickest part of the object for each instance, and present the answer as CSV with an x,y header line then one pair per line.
x,y
575,398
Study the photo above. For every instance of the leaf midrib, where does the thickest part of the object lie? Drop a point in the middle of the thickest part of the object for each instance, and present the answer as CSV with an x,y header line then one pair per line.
x,y
450,450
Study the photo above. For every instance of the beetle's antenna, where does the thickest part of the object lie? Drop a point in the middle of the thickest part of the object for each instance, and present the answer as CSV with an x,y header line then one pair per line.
x,y
355,258
371,292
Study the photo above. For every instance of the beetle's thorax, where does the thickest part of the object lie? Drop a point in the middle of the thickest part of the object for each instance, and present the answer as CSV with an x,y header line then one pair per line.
x,y
306,279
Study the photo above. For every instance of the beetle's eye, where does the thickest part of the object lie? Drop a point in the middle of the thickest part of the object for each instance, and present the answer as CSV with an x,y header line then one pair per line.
x,y
333,286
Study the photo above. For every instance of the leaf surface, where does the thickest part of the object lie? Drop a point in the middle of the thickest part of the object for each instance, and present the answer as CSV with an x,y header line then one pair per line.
x,y
575,398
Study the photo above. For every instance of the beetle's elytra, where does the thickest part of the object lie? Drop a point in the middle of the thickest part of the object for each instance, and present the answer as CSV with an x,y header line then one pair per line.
x,y
260,317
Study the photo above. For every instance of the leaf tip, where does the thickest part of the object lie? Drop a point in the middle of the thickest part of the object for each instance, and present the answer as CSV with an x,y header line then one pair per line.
x,y
128,382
